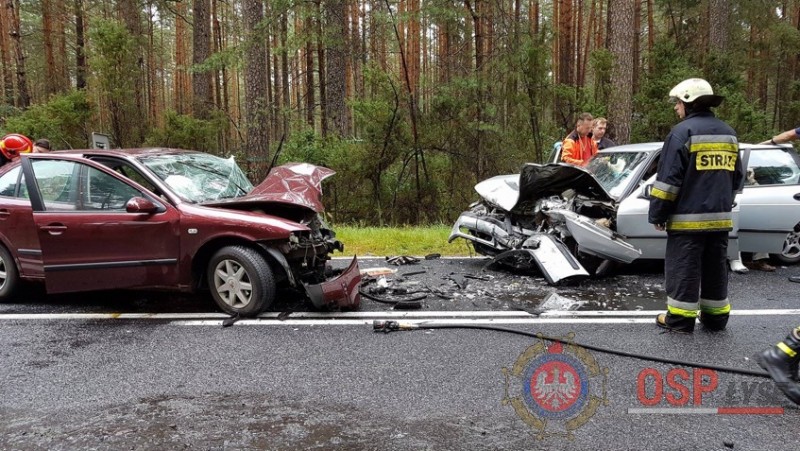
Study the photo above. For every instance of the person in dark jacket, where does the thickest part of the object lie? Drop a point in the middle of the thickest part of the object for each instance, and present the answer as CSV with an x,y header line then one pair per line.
x,y
699,174
599,128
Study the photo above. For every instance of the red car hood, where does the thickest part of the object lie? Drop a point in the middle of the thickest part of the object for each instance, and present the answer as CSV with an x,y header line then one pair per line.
x,y
295,184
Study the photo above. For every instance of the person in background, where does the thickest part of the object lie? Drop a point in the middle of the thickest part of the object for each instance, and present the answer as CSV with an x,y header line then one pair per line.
x,y
759,260
785,137
12,145
578,147
599,127
699,174
781,138
42,145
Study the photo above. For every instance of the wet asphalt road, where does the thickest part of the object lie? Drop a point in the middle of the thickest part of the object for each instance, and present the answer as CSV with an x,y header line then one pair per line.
x,y
163,384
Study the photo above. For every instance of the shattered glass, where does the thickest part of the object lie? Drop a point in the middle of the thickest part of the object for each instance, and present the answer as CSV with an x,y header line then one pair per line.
x,y
199,177
614,171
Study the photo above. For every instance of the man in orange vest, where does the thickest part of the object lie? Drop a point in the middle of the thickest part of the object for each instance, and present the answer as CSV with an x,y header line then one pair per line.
x,y
578,147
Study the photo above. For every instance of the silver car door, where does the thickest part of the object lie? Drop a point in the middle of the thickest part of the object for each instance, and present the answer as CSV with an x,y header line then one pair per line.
x,y
632,224
770,201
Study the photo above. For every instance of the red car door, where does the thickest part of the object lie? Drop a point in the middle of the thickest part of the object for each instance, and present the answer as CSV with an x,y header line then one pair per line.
x,y
17,231
88,239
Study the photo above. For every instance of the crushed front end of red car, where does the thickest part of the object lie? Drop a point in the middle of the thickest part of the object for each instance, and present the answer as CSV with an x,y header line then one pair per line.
x,y
340,293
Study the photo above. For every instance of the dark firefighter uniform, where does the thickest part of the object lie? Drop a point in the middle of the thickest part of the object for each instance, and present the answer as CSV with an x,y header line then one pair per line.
x,y
699,174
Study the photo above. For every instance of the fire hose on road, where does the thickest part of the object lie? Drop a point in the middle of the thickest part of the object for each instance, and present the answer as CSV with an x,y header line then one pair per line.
x,y
393,326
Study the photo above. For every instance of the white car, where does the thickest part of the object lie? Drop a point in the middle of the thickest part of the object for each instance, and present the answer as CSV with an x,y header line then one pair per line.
x,y
566,220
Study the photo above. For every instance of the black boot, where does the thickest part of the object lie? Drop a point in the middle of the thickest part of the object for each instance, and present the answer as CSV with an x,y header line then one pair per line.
x,y
675,323
781,362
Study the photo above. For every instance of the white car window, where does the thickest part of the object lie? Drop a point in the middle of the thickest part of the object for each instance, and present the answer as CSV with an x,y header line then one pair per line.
x,y
772,167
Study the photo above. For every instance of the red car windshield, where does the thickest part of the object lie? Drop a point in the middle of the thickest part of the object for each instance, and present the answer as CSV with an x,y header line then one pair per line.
x,y
199,177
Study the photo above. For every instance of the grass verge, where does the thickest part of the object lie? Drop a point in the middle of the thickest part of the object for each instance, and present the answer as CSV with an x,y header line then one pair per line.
x,y
389,241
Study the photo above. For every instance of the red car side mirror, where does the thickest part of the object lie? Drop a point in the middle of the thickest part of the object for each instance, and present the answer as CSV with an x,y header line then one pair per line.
x,y
140,205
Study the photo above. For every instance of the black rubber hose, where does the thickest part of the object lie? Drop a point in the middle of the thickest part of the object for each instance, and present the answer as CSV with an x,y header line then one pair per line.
x,y
723,369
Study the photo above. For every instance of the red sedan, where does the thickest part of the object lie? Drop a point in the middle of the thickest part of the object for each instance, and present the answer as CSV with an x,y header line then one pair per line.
x,y
168,219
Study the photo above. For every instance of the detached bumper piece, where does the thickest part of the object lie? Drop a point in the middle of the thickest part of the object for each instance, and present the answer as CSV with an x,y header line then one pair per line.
x,y
551,256
340,293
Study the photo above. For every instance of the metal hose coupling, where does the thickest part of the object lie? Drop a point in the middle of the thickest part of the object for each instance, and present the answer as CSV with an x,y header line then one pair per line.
x,y
391,326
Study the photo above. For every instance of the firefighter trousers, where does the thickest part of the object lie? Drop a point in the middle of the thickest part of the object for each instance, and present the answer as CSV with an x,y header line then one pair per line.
x,y
696,271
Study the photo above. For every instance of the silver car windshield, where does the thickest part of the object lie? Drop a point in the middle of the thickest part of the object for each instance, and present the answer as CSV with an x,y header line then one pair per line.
x,y
614,170
198,177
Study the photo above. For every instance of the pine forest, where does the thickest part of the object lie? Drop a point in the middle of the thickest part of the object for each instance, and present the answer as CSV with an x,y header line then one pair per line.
x,y
412,102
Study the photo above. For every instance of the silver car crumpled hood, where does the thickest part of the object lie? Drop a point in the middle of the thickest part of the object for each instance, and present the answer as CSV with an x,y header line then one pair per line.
x,y
292,184
539,181
536,181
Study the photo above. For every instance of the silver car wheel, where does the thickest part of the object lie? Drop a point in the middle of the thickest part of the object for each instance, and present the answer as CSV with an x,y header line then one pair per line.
x,y
240,281
790,254
232,282
791,247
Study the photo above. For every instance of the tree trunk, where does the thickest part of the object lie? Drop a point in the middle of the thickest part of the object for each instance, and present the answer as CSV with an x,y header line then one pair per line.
x,y
309,72
152,82
181,89
620,42
5,57
50,79
637,27
62,17
135,123
23,96
718,14
255,76
322,77
285,94
202,99
336,66
220,76
651,35
80,47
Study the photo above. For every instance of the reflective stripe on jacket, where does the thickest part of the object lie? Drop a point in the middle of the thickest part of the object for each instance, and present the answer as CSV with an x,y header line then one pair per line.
x,y
699,173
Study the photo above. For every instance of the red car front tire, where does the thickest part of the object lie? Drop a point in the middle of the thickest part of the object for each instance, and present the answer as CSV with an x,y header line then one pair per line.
x,y
241,281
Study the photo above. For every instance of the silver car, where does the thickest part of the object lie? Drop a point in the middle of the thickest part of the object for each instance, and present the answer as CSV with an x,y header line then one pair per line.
x,y
571,222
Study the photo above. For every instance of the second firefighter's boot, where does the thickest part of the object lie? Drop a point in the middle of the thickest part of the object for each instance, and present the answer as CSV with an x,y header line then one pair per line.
x,y
781,362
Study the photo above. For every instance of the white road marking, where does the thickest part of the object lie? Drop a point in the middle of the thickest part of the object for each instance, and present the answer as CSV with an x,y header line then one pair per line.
x,y
414,317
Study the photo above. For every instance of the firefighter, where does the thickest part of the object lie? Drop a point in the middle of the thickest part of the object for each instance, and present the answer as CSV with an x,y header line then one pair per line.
x,y
781,362
12,145
699,174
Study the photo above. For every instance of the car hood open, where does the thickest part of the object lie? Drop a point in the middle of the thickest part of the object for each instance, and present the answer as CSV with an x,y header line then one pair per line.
x,y
292,184
537,181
